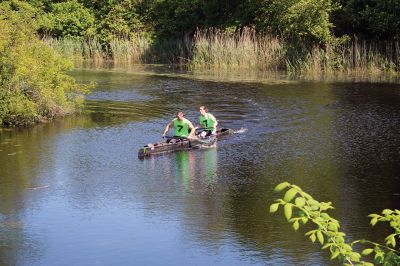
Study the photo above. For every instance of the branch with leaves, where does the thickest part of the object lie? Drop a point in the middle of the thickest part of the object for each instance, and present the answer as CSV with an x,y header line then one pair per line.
x,y
301,208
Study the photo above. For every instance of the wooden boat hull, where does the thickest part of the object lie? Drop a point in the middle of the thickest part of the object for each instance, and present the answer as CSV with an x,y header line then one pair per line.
x,y
182,144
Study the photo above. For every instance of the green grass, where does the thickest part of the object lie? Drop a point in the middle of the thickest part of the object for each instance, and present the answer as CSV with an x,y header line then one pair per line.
x,y
218,50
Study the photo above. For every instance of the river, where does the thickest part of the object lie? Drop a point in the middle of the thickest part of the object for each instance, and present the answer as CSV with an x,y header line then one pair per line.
x,y
73,192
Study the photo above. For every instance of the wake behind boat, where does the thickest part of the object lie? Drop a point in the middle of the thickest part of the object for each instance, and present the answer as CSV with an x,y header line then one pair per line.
x,y
172,144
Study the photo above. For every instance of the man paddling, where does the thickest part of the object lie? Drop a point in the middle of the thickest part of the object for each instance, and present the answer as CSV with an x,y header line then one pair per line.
x,y
207,122
183,127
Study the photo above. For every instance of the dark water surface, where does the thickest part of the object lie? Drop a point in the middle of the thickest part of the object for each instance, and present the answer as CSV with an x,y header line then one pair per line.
x,y
73,192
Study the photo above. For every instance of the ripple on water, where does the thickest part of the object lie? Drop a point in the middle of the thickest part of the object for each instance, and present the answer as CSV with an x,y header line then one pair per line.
x,y
339,143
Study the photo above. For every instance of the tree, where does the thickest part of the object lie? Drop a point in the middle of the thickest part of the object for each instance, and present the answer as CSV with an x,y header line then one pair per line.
x,y
175,18
119,19
33,85
304,20
372,19
301,208
68,19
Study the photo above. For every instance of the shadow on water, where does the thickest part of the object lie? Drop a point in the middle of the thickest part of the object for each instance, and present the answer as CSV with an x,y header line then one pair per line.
x,y
73,191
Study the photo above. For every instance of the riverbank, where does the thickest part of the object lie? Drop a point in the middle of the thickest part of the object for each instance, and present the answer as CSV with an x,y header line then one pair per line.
x,y
246,50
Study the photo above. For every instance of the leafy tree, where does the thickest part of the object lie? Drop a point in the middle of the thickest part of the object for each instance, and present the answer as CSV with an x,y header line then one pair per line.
x,y
68,19
372,19
304,20
33,85
119,19
175,18
301,208
383,18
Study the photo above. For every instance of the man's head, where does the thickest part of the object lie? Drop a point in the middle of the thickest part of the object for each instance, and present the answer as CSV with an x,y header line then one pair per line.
x,y
203,110
180,115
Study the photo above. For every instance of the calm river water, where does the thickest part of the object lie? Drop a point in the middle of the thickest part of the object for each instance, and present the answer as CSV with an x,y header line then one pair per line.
x,y
73,192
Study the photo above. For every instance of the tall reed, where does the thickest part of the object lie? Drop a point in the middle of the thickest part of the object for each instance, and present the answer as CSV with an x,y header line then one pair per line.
x,y
218,50
138,50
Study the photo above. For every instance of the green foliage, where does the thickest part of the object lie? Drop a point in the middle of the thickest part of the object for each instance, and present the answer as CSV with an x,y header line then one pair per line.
x,y
68,19
302,20
373,19
119,20
33,85
175,18
301,208
294,35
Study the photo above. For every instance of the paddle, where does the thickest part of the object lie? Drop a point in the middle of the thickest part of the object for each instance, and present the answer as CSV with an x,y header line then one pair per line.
x,y
185,138
173,137
202,129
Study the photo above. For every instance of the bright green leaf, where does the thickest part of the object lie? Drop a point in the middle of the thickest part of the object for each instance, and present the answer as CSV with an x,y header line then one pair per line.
x,y
320,237
274,207
300,202
387,211
296,225
367,251
288,211
332,227
335,254
281,186
327,245
289,195
354,256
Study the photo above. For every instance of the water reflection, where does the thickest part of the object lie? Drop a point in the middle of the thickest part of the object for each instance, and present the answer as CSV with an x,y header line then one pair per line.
x,y
74,191
193,171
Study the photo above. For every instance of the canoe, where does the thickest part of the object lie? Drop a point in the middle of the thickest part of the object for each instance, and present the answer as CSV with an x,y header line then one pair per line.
x,y
172,144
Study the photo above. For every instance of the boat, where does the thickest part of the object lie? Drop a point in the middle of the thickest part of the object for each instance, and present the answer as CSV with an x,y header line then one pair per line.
x,y
171,144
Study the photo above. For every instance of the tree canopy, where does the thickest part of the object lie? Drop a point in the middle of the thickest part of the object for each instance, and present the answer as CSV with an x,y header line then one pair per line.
x,y
311,20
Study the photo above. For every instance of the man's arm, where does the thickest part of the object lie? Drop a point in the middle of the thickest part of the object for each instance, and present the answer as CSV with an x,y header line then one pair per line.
x,y
166,129
192,130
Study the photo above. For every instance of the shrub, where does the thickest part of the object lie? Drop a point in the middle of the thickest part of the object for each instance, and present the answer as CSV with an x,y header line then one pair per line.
x,y
33,83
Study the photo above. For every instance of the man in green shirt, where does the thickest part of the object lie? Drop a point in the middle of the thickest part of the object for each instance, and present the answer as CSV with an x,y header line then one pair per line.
x,y
183,127
207,122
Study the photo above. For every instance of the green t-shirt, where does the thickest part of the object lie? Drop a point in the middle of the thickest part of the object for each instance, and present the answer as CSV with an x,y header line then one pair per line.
x,y
207,121
182,128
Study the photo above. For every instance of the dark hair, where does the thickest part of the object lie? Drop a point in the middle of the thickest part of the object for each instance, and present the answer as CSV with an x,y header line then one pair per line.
x,y
204,108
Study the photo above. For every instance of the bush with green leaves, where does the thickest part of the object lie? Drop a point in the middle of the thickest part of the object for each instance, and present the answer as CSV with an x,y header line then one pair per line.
x,y
68,19
302,20
301,208
33,82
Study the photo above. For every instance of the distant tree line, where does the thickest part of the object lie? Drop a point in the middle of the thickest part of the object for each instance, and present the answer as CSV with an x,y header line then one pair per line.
x,y
315,21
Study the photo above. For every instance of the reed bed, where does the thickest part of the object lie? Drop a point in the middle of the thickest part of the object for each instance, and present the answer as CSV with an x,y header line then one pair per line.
x,y
139,50
219,50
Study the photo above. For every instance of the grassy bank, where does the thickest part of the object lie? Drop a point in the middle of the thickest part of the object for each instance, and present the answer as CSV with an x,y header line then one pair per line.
x,y
218,50
136,51
214,49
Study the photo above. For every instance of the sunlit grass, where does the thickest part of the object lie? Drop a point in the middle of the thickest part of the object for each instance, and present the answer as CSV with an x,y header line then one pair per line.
x,y
219,50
